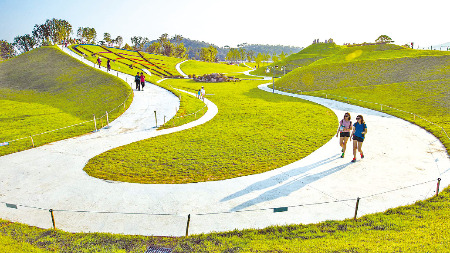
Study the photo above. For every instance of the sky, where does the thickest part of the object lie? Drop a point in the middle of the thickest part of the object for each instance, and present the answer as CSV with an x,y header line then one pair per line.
x,y
232,22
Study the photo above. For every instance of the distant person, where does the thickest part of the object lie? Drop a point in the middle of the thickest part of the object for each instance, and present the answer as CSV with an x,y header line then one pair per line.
x,y
99,61
359,131
199,92
137,80
108,65
142,77
345,126
203,93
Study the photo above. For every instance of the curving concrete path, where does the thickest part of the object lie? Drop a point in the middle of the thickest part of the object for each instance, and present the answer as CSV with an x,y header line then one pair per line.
x,y
178,68
321,186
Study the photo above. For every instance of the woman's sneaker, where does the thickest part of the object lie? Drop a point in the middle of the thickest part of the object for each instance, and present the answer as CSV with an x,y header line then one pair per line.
x,y
362,155
342,156
354,160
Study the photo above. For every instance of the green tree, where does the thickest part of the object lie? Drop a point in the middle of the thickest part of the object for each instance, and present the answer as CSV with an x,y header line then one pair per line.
x,y
250,55
118,41
259,58
107,38
282,56
208,54
89,35
384,38
274,57
139,42
24,43
127,47
6,50
242,53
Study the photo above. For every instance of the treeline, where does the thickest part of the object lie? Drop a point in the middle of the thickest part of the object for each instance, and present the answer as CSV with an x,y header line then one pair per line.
x,y
58,31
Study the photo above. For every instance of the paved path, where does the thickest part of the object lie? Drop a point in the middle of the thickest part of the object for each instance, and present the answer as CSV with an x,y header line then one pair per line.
x,y
322,186
179,69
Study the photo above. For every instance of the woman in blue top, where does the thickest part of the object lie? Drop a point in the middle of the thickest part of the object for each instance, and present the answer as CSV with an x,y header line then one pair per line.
x,y
359,131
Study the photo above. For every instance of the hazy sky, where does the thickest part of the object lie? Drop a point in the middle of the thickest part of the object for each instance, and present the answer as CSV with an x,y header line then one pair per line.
x,y
230,22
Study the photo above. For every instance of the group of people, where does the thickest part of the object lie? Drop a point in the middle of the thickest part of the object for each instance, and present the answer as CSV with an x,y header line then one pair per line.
x,y
201,94
139,79
359,130
108,64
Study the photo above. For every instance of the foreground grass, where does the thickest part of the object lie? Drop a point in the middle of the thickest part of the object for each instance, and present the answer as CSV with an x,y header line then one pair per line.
x,y
45,89
201,68
254,131
422,227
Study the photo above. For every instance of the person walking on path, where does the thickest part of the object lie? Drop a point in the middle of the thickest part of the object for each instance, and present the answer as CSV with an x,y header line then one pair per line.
x,y
203,93
137,80
345,126
359,131
99,61
199,93
108,65
142,78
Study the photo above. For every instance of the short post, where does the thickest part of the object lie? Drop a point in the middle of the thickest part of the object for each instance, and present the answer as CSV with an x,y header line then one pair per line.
x,y
95,123
437,187
381,107
187,226
164,119
53,218
326,95
414,117
32,142
356,208
156,120
123,106
117,73
107,118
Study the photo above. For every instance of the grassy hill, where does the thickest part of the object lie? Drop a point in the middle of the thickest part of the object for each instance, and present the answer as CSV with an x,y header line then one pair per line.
x,y
251,128
200,68
305,57
45,89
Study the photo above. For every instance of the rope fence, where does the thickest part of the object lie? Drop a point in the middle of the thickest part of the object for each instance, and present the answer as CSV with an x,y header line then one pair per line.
x,y
370,102
6,143
275,209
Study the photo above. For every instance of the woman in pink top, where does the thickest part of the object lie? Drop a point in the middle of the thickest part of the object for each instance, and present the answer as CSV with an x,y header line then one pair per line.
x,y
345,126
142,80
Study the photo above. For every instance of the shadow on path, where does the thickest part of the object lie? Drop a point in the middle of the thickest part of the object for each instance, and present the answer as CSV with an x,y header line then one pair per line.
x,y
278,179
288,188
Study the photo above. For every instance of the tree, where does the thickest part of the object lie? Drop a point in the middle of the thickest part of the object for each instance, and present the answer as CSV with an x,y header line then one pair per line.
x,y
259,58
138,42
24,43
208,54
119,41
242,53
127,47
250,55
384,38
107,38
87,34
274,57
282,56
180,51
6,50
52,31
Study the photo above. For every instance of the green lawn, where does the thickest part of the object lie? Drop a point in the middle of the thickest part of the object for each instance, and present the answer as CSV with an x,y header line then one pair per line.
x,y
192,67
45,89
418,85
254,131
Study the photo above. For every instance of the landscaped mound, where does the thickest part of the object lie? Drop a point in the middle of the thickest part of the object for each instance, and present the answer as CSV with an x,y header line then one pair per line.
x,y
45,89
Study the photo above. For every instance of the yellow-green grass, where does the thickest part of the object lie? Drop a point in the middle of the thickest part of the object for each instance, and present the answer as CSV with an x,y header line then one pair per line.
x,y
421,227
303,58
191,108
253,132
45,89
201,68
125,58
418,85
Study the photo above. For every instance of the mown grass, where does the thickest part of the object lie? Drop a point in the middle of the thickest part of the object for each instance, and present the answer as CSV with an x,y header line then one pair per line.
x,y
303,58
418,85
124,58
201,68
421,227
45,89
191,108
254,131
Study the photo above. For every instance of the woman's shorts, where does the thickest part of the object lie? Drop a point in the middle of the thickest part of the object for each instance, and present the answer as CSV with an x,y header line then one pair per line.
x,y
344,134
359,139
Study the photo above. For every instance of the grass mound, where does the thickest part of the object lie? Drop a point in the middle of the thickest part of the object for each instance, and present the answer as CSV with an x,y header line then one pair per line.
x,y
305,57
45,89
202,68
254,131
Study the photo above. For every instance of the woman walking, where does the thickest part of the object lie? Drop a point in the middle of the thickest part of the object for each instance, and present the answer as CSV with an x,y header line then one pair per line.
x,y
142,80
359,131
345,126
137,80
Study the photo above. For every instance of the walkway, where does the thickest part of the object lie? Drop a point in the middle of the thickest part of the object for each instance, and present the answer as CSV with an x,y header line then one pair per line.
x,y
179,69
320,187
